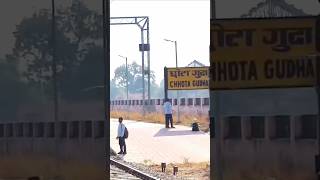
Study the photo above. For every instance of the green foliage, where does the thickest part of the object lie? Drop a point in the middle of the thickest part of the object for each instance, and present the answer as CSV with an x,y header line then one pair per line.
x,y
134,73
134,78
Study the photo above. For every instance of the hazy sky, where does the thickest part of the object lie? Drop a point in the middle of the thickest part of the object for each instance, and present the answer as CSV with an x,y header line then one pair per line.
x,y
187,22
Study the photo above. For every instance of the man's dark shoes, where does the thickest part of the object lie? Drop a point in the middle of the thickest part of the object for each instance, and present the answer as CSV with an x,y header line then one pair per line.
x,y
120,152
124,152
173,127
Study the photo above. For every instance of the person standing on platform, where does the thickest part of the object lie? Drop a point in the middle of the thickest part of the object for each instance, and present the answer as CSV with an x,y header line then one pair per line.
x,y
121,137
168,113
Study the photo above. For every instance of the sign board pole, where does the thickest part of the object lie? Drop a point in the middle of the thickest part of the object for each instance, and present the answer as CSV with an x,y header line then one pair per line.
x,y
317,163
165,83
143,73
215,117
318,129
216,168
317,157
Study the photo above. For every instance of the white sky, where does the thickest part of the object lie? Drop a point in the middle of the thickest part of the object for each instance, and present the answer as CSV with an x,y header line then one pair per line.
x,y
186,21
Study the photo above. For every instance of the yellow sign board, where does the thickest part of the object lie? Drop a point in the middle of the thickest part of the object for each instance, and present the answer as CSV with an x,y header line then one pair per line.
x,y
263,53
189,78
263,73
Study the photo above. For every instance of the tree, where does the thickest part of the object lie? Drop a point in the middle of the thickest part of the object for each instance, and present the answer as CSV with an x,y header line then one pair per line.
x,y
80,23
77,29
134,78
120,77
79,56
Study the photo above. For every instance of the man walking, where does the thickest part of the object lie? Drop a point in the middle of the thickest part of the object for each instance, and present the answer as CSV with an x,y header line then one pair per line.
x,y
168,113
121,137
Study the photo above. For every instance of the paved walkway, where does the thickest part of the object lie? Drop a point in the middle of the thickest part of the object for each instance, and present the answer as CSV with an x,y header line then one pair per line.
x,y
152,142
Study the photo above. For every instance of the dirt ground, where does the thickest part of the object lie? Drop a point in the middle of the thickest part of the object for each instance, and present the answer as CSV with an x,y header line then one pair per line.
x,y
189,171
186,120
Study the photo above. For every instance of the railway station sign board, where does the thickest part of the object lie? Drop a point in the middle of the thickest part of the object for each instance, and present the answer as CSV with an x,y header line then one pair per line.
x,y
263,53
187,78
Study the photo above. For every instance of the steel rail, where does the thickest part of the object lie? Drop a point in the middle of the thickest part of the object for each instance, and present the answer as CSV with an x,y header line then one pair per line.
x,y
132,170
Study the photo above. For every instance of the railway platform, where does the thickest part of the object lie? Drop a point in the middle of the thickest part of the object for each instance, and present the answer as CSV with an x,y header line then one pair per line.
x,y
151,142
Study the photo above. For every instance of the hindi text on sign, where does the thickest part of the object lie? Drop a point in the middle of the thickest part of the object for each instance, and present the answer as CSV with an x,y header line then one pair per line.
x,y
262,53
189,78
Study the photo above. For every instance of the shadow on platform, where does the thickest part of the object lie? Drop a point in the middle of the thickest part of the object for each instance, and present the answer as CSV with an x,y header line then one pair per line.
x,y
175,132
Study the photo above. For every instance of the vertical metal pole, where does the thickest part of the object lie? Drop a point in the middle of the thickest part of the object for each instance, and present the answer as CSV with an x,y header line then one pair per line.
x,y
127,78
148,57
106,55
42,90
176,51
213,9
215,110
215,118
318,93
55,88
178,98
317,86
143,85
270,8
318,96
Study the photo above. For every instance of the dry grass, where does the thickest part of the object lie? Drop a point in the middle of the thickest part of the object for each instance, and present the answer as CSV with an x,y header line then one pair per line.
x,y
187,170
255,176
155,117
45,167
268,174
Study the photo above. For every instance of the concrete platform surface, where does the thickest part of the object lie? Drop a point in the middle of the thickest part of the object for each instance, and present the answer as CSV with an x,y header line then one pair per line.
x,y
152,142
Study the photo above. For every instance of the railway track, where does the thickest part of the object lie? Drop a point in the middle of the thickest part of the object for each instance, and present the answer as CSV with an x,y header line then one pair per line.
x,y
116,174
120,171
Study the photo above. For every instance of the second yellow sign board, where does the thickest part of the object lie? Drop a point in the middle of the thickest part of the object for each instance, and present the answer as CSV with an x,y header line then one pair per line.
x,y
235,38
263,73
263,53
